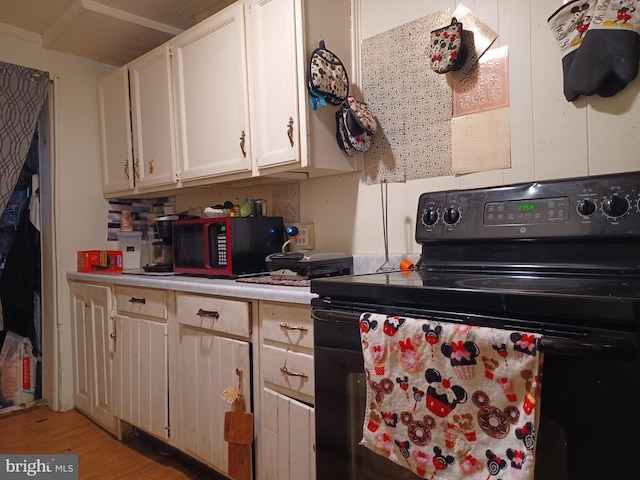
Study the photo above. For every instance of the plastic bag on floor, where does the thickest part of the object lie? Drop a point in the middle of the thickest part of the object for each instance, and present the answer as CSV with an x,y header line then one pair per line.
x,y
17,370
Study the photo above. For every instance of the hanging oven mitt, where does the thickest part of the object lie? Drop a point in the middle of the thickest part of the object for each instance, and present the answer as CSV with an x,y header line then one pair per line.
x,y
447,51
569,24
341,135
359,117
327,79
609,56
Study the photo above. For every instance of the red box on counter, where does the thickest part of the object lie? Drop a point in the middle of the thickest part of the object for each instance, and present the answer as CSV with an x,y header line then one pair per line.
x,y
100,261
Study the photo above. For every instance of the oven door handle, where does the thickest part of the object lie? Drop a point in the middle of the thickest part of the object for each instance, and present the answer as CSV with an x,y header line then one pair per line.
x,y
334,316
610,349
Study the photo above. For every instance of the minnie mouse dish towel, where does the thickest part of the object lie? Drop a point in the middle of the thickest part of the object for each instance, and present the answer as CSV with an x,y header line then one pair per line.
x,y
450,401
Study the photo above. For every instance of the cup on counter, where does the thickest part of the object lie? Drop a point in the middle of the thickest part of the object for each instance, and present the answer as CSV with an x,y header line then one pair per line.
x,y
260,208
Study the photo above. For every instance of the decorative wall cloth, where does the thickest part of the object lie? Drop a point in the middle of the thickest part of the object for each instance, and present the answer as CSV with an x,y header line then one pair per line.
x,y
22,95
450,401
411,101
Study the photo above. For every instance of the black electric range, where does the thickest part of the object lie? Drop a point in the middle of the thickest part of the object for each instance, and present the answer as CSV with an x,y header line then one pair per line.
x,y
561,258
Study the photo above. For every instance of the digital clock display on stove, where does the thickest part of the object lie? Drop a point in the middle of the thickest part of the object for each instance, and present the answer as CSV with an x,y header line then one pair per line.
x,y
527,207
527,212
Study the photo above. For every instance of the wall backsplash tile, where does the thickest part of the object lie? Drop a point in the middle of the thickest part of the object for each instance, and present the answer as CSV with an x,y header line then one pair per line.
x,y
363,263
286,201
141,209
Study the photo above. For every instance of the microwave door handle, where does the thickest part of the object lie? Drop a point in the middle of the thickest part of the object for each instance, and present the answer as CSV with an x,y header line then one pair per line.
x,y
610,349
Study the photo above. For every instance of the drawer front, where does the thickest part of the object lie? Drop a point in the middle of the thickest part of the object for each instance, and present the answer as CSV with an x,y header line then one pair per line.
x,y
288,324
149,302
292,371
212,313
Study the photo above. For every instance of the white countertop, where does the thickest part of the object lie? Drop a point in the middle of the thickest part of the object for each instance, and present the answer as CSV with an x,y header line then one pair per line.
x,y
208,286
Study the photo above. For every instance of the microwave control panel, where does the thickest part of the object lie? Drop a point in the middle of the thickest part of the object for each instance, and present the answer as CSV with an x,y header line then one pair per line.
x,y
221,245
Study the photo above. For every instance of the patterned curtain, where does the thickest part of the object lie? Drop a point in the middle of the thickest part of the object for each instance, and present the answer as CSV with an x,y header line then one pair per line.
x,y
22,95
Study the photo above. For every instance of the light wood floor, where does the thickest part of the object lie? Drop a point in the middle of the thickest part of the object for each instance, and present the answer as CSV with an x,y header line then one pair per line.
x,y
100,455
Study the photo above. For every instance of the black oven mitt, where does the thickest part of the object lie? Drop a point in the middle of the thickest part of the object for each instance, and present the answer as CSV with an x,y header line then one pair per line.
x,y
569,24
609,56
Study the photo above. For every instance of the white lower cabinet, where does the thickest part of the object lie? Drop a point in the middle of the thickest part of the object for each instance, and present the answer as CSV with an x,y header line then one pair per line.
x,y
207,362
287,417
141,386
141,392
92,327
287,437
159,360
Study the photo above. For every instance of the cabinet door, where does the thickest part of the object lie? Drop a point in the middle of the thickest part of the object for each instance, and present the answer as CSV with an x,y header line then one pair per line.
x,y
141,389
82,347
100,314
153,119
115,132
287,438
212,96
275,106
207,364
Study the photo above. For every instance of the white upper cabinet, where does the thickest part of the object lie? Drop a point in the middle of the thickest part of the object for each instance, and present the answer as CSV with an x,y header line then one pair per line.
x,y
288,135
275,102
115,132
153,119
212,98
225,100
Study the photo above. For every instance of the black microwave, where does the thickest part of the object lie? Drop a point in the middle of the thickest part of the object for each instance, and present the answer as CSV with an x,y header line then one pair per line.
x,y
225,246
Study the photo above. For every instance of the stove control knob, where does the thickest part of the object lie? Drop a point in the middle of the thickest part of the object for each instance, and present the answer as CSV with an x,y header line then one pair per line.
x,y
586,208
451,215
429,217
615,206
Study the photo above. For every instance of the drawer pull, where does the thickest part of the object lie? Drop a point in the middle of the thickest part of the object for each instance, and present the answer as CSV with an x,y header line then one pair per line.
x,y
138,300
293,374
208,313
296,327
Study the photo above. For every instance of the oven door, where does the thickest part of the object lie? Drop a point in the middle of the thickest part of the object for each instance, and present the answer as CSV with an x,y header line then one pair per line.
x,y
340,405
589,415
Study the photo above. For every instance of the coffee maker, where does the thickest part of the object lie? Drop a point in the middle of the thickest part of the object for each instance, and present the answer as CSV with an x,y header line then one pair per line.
x,y
162,247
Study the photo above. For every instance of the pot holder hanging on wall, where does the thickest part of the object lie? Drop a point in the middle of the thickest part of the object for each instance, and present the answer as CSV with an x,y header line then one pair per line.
x,y
447,50
341,135
327,79
355,124
359,117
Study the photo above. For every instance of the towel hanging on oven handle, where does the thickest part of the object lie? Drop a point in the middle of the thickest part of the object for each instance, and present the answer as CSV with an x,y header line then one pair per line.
x,y
611,349
607,348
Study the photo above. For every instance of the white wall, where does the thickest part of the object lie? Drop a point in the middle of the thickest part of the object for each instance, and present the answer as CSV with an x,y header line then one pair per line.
x,y
550,138
81,208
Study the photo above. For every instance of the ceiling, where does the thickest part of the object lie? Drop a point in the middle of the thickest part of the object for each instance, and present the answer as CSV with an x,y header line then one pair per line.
x,y
109,31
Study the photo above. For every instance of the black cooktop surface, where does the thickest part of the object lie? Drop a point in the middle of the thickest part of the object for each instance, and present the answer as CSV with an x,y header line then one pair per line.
x,y
611,299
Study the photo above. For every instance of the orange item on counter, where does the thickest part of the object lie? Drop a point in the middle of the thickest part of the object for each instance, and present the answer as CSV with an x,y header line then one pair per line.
x,y
406,264
100,261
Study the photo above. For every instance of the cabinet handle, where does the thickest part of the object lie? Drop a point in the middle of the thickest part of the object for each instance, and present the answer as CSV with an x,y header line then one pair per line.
x,y
293,374
138,300
136,169
290,130
126,170
151,169
244,154
208,313
113,335
296,327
